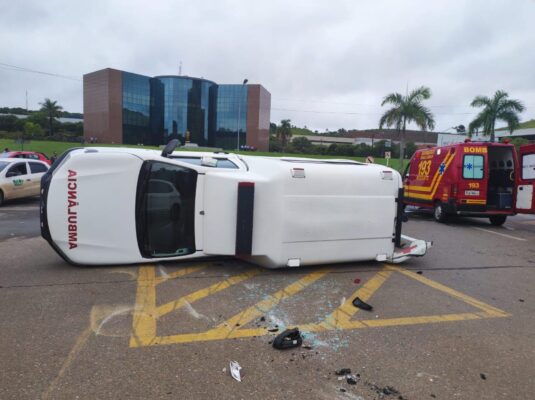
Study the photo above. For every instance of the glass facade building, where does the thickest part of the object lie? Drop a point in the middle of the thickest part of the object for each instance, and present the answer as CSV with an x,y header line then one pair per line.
x,y
230,116
186,108
154,110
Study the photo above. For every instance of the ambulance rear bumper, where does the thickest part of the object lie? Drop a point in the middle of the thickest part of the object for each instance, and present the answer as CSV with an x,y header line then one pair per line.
x,y
474,210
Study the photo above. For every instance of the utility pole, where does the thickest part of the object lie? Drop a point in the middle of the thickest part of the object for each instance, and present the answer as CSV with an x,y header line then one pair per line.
x,y
26,100
180,69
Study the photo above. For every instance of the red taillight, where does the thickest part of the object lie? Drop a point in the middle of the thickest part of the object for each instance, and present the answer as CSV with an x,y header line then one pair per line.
x,y
454,190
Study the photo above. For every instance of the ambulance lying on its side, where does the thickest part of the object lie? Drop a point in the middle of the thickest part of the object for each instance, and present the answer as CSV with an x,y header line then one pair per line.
x,y
477,179
119,205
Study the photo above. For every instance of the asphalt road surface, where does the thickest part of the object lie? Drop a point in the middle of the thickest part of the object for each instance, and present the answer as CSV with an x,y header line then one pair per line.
x,y
458,323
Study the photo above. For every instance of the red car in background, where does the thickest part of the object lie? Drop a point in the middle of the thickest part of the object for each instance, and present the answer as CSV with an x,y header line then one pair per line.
x,y
32,155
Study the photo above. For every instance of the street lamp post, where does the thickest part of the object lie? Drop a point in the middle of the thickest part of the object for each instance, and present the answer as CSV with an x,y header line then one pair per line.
x,y
239,115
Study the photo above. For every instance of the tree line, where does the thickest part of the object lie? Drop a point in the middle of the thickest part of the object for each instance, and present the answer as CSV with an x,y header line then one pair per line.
x,y
40,124
404,110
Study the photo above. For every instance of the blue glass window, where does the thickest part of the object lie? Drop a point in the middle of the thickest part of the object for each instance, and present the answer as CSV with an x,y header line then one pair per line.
x,y
473,167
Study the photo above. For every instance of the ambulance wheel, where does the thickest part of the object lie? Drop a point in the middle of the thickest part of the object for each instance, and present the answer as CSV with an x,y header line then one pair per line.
x,y
439,213
498,220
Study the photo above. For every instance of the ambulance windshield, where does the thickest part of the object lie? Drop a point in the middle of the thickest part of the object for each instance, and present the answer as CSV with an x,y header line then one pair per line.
x,y
165,206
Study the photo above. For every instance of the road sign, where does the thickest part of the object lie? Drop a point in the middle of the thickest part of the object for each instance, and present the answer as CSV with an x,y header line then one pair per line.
x,y
388,155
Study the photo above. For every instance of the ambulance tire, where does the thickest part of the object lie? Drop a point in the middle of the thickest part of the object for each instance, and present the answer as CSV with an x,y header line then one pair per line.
x,y
439,213
498,220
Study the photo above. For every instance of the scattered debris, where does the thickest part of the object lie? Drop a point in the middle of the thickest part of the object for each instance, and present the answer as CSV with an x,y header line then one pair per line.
x,y
433,396
288,339
224,369
357,302
262,319
274,329
483,376
419,272
235,369
352,380
356,281
308,347
343,390
521,300
343,371
385,391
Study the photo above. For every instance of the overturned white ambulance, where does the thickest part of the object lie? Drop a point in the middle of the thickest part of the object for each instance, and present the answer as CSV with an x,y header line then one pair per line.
x,y
121,206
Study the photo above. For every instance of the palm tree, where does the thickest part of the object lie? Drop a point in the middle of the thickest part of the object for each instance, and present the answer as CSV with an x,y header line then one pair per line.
x,y
52,110
499,107
407,109
284,132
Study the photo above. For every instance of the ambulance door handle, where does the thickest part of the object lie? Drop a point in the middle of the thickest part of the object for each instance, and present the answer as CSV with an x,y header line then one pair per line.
x,y
521,188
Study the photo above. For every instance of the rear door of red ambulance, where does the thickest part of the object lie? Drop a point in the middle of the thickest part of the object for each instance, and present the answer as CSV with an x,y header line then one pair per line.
x,y
525,181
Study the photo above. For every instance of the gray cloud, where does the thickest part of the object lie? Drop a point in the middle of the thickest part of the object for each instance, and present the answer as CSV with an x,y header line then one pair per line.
x,y
326,64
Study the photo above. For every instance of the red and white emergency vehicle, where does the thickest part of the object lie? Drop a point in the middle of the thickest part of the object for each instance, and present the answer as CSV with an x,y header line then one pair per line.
x,y
477,179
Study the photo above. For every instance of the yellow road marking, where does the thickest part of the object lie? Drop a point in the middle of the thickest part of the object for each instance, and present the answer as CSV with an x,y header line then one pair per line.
x,y
144,321
178,274
493,311
228,329
147,313
202,293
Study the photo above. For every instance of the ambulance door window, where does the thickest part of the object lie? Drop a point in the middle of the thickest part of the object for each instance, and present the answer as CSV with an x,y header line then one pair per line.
x,y
473,167
528,166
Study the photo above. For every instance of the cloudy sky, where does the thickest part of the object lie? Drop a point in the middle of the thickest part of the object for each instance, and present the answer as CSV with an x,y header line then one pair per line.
x,y
327,64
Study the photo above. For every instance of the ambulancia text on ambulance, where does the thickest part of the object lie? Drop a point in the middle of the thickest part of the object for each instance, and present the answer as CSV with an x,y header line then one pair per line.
x,y
477,179
120,205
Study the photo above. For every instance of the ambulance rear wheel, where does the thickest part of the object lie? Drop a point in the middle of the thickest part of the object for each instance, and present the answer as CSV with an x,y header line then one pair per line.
x,y
497,220
439,213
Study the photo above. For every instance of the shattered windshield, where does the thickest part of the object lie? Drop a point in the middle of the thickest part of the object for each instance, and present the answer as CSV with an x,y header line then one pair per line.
x,y
165,207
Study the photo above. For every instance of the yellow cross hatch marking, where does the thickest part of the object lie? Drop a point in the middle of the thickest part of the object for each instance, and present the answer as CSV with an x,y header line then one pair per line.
x,y
147,313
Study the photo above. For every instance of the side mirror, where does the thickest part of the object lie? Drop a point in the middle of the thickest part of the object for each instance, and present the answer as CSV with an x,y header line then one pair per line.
x,y
170,147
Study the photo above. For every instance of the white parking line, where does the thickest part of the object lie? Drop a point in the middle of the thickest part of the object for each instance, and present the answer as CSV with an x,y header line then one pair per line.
x,y
500,234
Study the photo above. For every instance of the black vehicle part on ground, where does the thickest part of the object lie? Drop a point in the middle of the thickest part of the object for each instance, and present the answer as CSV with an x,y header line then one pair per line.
x,y
357,302
288,339
45,185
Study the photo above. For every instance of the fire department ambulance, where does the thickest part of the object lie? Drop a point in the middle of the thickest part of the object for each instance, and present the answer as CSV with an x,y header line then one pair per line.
x,y
476,179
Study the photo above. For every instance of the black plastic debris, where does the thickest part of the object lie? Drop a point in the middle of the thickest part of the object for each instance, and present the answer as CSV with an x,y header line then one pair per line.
x,y
343,371
343,390
351,380
288,339
419,272
362,305
483,376
262,319
520,300
308,347
273,329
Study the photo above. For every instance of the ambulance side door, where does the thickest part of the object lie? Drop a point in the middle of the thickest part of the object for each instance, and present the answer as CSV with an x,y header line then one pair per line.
x,y
525,181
